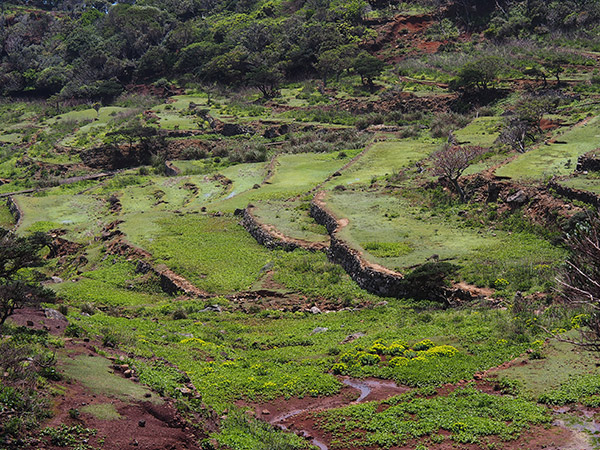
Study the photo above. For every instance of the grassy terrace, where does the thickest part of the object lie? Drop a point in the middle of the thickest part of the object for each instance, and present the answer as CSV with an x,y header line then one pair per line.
x,y
384,158
589,183
391,232
558,158
6,218
82,216
293,175
292,219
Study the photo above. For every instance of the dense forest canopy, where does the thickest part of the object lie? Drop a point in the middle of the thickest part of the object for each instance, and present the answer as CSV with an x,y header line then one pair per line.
x,y
91,50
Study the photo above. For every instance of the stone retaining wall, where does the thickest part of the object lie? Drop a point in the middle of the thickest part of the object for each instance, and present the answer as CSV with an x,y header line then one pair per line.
x,y
270,238
575,194
368,276
14,209
588,163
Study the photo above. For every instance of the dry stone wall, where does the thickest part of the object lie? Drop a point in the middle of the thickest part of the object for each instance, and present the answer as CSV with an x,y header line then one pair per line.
x,y
575,194
14,209
368,276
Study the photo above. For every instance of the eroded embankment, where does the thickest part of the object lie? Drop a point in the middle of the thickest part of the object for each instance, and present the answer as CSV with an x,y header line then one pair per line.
x,y
371,277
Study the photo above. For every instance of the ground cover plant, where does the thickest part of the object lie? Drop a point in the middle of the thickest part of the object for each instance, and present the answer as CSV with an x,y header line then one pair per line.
x,y
132,136
468,414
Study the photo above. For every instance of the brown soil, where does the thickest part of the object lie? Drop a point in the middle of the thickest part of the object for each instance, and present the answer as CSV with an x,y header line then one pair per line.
x,y
36,319
143,425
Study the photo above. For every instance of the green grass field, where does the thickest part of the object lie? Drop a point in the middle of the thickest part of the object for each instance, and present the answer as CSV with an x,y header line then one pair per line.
x,y
396,235
6,218
482,131
293,175
214,253
385,158
559,158
583,183
292,219
82,216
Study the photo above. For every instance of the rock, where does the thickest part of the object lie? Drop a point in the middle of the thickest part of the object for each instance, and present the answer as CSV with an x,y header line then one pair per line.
x,y
352,337
54,314
142,267
234,129
142,423
319,330
186,392
518,198
315,310
212,308
266,412
128,373
56,279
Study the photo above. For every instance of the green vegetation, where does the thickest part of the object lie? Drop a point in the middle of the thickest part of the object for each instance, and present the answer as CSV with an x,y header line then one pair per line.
x,y
6,218
94,372
558,158
141,130
218,255
468,414
385,158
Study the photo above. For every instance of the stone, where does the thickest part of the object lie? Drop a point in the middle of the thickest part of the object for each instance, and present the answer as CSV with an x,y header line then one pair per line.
x,y
186,392
234,129
212,308
54,314
319,330
315,310
56,279
266,412
518,197
352,337
128,373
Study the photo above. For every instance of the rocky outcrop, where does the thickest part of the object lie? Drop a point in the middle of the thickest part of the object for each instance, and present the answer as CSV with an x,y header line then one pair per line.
x,y
271,238
575,194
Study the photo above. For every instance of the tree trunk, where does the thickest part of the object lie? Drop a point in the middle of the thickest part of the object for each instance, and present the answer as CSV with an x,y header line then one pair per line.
x,y
459,190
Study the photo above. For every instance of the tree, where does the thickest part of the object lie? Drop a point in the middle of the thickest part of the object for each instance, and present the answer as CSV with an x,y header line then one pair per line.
x,y
477,75
536,72
451,161
522,129
265,78
17,253
580,280
555,66
368,67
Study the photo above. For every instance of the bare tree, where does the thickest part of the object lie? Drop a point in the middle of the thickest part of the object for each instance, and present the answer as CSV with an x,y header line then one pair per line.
x,y
451,161
580,280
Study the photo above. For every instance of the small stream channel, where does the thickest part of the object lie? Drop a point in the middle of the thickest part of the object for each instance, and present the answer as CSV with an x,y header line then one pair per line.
x,y
365,387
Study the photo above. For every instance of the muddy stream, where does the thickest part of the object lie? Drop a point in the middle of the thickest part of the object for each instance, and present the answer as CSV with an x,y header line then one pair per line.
x,y
369,389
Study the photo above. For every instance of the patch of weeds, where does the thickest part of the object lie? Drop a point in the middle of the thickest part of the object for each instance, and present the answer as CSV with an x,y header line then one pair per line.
x,y
65,436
